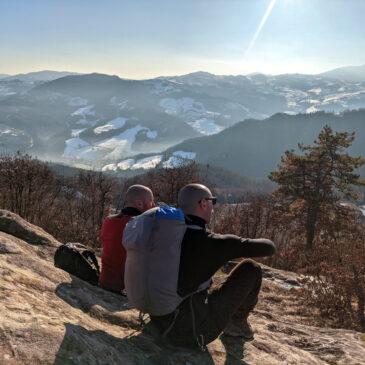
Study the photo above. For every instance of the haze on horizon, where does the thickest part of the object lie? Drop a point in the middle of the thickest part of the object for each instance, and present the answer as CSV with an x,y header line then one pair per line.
x,y
142,39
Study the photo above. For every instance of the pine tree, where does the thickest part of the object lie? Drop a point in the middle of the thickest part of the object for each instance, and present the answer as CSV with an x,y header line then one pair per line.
x,y
319,177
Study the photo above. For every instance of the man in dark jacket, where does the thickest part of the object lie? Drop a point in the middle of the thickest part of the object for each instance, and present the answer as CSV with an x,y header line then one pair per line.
x,y
201,317
138,199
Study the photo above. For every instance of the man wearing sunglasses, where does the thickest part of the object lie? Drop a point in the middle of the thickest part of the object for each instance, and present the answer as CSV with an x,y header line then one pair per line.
x,y
203,315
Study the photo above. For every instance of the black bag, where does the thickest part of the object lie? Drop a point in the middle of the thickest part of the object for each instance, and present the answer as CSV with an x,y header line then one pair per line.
x,y
78,260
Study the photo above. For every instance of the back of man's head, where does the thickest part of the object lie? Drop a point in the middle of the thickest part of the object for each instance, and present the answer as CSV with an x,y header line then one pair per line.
x,y
190,195
140,197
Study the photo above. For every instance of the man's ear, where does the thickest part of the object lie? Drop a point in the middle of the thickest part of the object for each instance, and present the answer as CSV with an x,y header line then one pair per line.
x,y
203,204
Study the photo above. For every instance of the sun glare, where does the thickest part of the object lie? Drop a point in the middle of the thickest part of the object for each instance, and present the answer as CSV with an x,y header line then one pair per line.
x,y
260,27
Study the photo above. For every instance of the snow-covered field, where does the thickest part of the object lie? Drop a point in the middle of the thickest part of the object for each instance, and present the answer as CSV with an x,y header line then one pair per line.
x,y
147,163
193,113
113,124
319,99
132,164
76,132
77,148
108,149
206,126
178,158
8,131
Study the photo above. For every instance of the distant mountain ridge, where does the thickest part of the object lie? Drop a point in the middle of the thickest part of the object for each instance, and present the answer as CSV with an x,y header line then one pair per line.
x,y
253,148
46,75
100,119
349,73
19,84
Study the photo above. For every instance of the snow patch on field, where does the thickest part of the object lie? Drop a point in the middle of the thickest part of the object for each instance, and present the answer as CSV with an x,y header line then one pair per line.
x,y
125,138
111,148
5,130
122,143
179,158
147,163
338,97
206,126
76,132
316,91
123,165
126,164
73,147
193,113
80,149
83,112
312,109
113,124
110,167
132,164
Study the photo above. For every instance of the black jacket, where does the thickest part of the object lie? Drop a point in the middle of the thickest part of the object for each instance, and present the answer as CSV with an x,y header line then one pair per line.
x,y
204,252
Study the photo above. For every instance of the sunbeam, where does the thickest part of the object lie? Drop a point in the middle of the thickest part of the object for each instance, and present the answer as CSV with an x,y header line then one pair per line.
x,y
261,25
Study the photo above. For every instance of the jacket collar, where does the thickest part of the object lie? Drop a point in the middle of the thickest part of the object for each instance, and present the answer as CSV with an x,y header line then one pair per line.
x,y
195,220
131,211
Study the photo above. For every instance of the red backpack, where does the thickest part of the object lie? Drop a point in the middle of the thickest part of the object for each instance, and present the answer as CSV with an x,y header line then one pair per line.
x,y
113,255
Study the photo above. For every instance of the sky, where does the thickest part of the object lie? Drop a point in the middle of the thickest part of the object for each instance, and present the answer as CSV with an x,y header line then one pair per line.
x,y
140,39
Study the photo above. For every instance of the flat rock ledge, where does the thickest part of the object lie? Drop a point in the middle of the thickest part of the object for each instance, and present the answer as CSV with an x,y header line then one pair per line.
x,y
50,317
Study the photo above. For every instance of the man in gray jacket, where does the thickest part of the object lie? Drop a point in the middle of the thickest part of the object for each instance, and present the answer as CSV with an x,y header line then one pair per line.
x,y
204,315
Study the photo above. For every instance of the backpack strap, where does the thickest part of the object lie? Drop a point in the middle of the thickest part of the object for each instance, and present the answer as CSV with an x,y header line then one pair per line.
x,y
169,328
199,338
195,226
77,247
94,260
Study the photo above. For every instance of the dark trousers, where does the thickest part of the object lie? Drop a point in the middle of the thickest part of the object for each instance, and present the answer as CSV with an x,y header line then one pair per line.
x,y
205,315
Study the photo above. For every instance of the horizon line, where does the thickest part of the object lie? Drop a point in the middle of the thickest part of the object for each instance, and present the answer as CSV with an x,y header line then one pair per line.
x,y
176,75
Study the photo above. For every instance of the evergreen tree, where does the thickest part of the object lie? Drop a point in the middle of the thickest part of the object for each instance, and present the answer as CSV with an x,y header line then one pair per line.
x,y
319,177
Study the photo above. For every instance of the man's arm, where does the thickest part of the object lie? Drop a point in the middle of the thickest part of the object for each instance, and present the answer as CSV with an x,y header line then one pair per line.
x,y
220,248
203,253
235,246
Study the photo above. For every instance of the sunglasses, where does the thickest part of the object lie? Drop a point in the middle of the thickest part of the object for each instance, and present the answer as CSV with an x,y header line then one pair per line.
x,y
213,199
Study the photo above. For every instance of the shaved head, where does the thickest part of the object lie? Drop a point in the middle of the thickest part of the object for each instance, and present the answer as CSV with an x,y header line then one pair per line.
x,y
140,197
190,195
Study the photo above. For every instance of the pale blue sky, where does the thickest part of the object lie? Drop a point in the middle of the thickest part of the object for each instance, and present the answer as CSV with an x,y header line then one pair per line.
x,y
146,38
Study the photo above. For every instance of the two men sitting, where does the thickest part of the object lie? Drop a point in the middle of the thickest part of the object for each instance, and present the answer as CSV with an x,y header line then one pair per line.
x,y
171,258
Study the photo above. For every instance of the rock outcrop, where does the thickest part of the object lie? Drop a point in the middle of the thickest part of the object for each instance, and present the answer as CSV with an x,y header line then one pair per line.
x,y
50,317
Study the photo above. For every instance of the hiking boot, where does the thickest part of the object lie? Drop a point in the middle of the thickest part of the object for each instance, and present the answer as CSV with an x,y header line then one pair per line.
x,y
242,330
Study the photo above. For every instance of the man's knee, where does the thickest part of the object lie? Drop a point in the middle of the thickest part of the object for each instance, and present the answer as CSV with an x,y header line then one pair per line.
x,y
248,268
